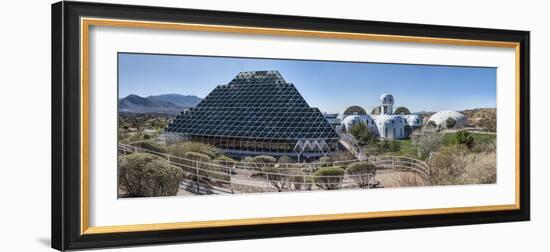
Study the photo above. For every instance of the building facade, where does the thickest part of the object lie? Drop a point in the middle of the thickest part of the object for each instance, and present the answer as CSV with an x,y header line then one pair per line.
x,y
257,113
384,123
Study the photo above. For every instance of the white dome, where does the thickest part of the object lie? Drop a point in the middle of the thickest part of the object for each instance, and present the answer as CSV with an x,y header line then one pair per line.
x,y
386,99
441,117
351,120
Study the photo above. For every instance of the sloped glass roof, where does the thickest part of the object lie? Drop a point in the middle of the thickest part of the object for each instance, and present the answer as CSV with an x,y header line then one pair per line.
x,y
254,105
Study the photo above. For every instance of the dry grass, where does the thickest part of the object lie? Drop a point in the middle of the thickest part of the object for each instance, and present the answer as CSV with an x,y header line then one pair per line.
x,y
455,166
407,179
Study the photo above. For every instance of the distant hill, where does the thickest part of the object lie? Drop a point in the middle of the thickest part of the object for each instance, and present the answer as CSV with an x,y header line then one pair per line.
x,y
169,103
177,99
482,117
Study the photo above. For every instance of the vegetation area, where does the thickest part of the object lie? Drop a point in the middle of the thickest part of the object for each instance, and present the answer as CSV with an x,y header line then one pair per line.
x,y
459,157
483,118
147,175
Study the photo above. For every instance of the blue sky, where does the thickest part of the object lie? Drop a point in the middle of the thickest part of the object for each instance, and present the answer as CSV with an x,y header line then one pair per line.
x,y
330,86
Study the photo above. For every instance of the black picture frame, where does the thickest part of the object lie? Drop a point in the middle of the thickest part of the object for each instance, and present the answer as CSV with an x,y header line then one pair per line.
x,y
66,125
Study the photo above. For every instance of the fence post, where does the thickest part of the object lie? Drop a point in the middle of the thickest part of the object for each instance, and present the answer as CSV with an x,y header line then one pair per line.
x,y
230,180
197,174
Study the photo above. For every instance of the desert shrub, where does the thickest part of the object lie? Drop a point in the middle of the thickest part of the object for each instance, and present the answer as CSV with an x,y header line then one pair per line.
x,y
489,146
150,145
408,179
463,138
373,149
197,156
223,159
383,146
456,166
450,123
325,161
284,160
488,123
259,162
329,178
147,175
361,173
297,181
426,142
222,164
181,148
394,146
276,177
265,159
206,170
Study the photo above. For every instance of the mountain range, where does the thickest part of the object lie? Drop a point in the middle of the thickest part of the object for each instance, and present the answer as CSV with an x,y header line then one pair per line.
x,y
166,103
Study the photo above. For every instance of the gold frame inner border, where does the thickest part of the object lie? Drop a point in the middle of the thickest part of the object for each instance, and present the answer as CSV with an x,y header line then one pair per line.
x,y
86,23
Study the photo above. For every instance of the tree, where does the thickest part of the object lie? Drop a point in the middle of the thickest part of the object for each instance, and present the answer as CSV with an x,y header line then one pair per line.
x,y
329,178
426,142
147,175
358,129
362,133
361,173
464,138
450,123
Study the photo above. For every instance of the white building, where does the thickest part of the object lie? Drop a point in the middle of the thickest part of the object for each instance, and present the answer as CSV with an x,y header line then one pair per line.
x,y
440,119
386,125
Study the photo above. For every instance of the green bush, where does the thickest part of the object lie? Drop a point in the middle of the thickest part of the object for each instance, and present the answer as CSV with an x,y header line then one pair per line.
x,y
150,145
358,129
223,159
325,161
362,133
463,138
329,178
197,156
259,162
181,148
426,142
208,170
265,159
450,123
284,160
361,173
394,146
147,175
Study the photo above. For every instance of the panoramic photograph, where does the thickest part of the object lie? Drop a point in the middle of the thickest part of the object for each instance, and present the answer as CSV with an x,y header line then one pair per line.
x,y
203,125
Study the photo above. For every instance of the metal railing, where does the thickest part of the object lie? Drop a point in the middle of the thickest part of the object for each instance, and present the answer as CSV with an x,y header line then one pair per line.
x,y
222,176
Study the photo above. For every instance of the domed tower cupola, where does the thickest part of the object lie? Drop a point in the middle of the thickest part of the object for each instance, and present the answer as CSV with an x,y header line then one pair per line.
x,y
387,103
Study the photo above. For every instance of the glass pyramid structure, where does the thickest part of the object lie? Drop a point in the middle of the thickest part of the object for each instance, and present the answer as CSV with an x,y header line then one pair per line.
x,y
256,113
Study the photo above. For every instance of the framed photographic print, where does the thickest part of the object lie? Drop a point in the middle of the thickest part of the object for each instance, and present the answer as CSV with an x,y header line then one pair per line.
x,y
179,125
